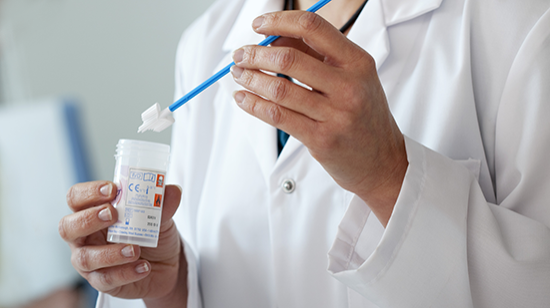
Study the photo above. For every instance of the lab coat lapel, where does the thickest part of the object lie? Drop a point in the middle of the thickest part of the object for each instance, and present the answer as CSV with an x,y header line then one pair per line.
x,y
370,29
369,32
262,137
397,11
241,33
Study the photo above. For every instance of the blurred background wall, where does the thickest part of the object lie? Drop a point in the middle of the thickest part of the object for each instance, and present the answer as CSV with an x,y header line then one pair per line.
x,y
112,59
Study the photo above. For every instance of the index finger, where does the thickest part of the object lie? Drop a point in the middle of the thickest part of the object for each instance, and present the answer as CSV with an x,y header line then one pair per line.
x,y
298,45
84,195
315,31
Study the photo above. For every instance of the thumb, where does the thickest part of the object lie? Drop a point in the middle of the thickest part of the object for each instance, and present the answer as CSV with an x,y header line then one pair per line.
x,y
172,197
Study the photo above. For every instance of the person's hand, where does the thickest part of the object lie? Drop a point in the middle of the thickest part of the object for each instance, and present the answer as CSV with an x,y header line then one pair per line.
x,y
124,270
344,120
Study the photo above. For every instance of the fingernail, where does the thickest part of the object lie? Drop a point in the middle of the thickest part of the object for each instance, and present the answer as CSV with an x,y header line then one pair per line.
x,y
142,268
128,251
236,71
238,96
258,22
179,187
105,215
238,55
105,190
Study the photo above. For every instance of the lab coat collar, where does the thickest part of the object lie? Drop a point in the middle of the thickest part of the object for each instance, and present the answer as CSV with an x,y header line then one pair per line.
x,y
389,12
369,32
241,33
370,29
398,11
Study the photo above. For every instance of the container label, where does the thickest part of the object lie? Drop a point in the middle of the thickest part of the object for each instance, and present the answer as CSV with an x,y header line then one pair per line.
x,y
139,201
145,188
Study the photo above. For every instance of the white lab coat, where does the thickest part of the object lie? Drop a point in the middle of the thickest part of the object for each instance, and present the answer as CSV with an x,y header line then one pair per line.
x,y
469,85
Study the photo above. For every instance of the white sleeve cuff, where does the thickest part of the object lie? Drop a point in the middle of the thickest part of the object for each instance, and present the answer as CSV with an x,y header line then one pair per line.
x,y
360,233
107,301
426,234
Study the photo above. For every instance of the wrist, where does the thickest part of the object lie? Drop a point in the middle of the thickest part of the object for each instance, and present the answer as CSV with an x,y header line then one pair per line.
x,y
381,199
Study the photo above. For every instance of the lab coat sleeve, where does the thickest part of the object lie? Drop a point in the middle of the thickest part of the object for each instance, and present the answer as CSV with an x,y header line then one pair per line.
x,y
445,245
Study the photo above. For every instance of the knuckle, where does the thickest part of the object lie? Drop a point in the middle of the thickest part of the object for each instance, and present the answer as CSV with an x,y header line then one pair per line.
x,y
251,55
71,197
285,59
86,221
247,78
278,90
109,256
363,60
81,260
368,61
271,20
105,279
310,22
253,106
274,113
125,275
61,227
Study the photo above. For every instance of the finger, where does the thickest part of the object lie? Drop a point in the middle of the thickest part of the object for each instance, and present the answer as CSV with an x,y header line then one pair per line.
x,y
91,258
316,32
295,124
86,222
288,61
172,197
85,195
297,44
107,279
283,92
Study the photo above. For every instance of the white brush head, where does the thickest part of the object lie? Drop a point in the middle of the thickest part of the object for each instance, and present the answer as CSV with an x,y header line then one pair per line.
x,y
151,113
156,120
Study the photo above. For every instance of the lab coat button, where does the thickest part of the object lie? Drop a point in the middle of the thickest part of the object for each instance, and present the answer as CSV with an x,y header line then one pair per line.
x,y
288,186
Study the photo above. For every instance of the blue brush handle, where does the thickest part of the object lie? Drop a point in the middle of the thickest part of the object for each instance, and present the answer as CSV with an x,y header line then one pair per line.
x,y
224,71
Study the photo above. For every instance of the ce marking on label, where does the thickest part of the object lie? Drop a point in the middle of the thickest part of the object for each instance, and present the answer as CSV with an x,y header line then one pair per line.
x,y
136,187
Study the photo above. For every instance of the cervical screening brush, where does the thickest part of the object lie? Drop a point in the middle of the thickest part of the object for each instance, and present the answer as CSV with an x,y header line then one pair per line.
x,y
156,120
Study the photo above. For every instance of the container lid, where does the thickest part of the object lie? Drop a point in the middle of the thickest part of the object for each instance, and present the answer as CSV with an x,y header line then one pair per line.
x,y
125,146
